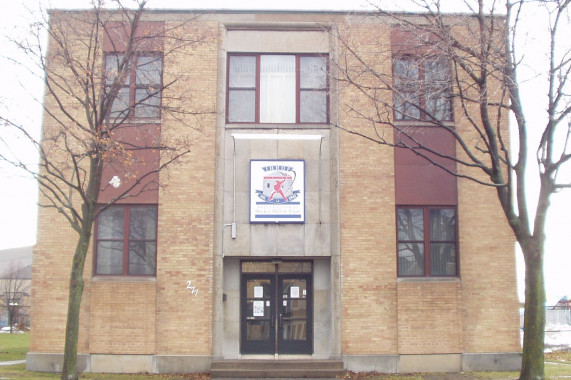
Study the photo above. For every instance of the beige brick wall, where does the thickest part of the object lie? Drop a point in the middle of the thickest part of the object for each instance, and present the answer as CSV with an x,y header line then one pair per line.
x,y
51,265
490,304
429,317
186,210
368,258
122,317
487,265
368,261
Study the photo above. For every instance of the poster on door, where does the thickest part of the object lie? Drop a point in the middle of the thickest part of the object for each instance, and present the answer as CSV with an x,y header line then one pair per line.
x,y
277,191
258,309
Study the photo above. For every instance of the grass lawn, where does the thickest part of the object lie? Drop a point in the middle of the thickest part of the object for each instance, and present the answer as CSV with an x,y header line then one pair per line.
x,y
15,347
19,372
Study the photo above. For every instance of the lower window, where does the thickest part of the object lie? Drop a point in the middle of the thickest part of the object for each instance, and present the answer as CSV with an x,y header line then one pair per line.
x,y
126,241
427,241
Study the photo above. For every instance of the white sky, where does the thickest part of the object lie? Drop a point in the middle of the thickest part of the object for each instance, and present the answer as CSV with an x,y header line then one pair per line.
x,y
18,195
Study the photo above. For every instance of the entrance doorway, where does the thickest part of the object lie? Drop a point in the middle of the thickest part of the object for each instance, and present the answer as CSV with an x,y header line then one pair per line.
x,y
276,308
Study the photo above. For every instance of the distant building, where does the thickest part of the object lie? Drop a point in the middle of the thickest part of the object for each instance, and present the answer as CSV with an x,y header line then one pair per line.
x,y
21,256
15,285
562,304
282,235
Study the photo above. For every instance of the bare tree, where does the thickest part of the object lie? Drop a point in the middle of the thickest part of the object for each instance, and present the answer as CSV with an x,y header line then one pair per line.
x,y
440,69
14,289
106,92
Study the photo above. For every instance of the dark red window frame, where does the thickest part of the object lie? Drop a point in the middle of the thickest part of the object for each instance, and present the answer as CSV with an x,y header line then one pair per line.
x,y
426,241
133,86
257,87
421,83
125,240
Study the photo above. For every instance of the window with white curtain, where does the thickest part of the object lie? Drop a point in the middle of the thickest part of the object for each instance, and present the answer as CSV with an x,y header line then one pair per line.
x,y
277,88
277,81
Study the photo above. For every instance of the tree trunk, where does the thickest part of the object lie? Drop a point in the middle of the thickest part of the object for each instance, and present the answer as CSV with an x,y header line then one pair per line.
x,y
10,311
534,322
69,371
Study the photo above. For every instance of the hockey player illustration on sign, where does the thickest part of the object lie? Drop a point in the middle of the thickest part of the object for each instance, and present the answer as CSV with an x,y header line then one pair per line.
x,y
278,190
278,186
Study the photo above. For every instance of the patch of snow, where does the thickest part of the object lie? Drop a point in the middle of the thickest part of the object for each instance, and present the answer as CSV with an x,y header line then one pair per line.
x,y
558,336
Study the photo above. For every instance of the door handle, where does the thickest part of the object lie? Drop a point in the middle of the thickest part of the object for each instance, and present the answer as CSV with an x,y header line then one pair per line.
x,y
281,320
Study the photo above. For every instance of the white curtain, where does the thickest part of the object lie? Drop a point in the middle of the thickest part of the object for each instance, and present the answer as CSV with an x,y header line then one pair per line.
x,y
277,89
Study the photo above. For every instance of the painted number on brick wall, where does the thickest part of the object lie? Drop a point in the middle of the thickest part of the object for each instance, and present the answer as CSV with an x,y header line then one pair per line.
x,y
192,288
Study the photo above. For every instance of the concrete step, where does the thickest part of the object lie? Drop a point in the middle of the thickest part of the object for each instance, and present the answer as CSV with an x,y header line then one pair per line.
x,y
276,369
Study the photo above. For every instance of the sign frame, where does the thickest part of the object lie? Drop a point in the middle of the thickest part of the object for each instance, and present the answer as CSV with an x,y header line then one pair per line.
x,y
277,191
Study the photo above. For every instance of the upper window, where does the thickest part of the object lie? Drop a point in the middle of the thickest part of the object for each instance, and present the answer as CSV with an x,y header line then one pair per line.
x,y
264,88
426,241
140,94
422,89
126,241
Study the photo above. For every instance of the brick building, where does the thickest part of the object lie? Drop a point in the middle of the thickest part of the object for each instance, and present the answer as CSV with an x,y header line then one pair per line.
x,y
280,234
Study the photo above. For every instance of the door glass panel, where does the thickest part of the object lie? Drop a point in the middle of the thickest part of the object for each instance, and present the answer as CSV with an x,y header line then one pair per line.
x,y
294,289
294,330
258,311
257,330
258,288
293,310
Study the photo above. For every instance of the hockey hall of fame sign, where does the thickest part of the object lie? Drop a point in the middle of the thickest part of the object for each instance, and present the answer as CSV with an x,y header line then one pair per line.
x,y
277,191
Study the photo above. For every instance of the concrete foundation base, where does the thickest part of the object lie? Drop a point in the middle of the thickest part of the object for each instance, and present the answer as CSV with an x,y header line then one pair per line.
x,y
430,363
491,362
371,363
510,361
49,362
122,363
182,364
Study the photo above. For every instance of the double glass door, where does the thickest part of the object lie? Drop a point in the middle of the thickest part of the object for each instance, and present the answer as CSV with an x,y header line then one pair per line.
x,y
276,313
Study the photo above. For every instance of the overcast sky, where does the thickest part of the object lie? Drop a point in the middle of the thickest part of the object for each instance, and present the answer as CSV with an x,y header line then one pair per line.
x,y
18,195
